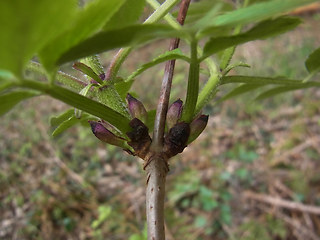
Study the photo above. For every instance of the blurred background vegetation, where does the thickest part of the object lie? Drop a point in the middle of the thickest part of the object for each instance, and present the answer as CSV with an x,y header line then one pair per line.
x,y
224,186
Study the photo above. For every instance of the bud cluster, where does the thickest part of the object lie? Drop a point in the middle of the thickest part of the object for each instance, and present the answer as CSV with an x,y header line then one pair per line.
x,y
138,141
180,133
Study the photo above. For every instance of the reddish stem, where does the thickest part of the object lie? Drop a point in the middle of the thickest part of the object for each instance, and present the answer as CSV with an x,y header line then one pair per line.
x,y
157,166
160,120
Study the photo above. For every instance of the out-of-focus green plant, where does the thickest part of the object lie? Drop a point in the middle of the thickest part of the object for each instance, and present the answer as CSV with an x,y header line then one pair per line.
x,y
271,229
57,32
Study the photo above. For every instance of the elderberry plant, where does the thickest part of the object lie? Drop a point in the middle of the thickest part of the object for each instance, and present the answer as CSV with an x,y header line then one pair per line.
x,y
39,36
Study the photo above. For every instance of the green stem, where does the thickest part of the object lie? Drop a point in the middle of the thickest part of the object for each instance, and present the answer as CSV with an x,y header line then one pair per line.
x,y
193,84
168,17
162,11
123,53
208,89
207,92
173,23
116,62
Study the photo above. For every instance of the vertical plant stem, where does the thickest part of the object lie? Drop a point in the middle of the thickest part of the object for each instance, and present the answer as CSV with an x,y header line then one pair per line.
x,y
155,194
157,167
193,85
162,108
210,88
207,92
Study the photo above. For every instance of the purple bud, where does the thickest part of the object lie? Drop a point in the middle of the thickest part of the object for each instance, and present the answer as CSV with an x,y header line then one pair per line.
x,y
176,140
93,81
140,139
105,135
174,113
136,108
102,76
197,126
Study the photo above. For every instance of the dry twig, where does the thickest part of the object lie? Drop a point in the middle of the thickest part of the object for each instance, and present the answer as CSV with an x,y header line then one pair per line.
x,y
279,202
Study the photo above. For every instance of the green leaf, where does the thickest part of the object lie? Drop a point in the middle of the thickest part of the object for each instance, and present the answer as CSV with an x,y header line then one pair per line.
x,y
86,23
85,104
83,92
200,9
193,86
104,214
235,65
313,61
200,221
87,71
169,55
111,98
206,19
9,100
136,237
26,26
278,90
61,77
123,88
94,63
70,122
257,12
5,85
259,80
6,75
7,80
128,14
263,30
55,121
92,107
242,173
240,90
116,38
287,85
